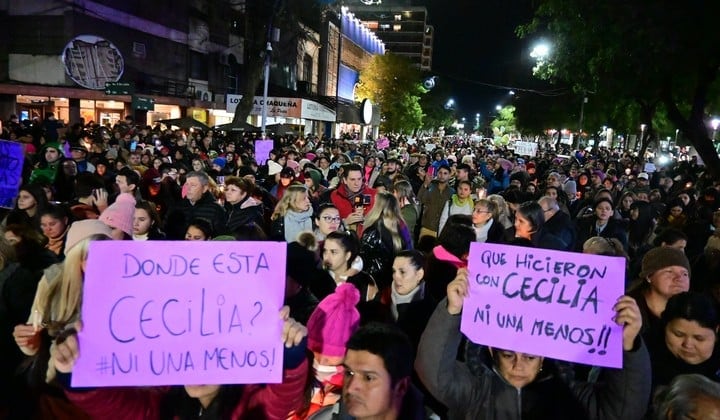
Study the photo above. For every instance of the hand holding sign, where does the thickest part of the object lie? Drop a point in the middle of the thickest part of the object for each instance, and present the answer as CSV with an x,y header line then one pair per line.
x,y
457,291
293,332
628,315
555,304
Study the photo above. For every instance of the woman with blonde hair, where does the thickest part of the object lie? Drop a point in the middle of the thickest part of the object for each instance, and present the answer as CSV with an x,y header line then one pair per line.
x,y
292,215
385,234
58,298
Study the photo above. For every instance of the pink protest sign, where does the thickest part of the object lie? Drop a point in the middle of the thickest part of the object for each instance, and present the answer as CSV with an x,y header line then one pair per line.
x,y
262,150
546,303
184,312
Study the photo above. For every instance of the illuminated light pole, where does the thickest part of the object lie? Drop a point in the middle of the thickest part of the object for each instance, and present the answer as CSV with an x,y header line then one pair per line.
x,y
477,120
715,123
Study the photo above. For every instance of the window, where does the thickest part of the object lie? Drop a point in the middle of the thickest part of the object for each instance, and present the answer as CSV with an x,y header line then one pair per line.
x,y
397,27
307,72
398,18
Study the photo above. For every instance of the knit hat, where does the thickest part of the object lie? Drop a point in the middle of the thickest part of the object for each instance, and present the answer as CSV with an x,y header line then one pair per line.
x,y
84,229
570,188
310,156
120,214
314,175
220,161
292,165
274,167
600,174
661,257
333,322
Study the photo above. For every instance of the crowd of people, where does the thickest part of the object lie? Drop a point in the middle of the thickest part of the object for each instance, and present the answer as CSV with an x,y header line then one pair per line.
x,y
378,244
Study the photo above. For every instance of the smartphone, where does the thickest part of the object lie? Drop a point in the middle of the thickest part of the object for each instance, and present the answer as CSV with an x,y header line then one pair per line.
x,y
133,146
221,180
431,171
366,199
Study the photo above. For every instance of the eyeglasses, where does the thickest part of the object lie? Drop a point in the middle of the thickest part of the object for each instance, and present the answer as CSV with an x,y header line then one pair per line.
x,y
331,219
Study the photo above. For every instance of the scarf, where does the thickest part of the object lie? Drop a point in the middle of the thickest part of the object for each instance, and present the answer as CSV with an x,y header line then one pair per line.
x,y
144,237
398,299
351,195
56,245
464,202
297,222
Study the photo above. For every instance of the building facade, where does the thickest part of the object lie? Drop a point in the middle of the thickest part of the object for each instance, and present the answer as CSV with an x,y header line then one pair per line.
x,y
404,29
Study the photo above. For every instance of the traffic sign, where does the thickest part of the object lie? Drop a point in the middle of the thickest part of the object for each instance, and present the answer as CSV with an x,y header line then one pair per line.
x,y
119,88
143,103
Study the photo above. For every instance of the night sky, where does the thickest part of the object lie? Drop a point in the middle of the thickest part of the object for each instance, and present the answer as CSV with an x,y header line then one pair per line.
x,y
475,44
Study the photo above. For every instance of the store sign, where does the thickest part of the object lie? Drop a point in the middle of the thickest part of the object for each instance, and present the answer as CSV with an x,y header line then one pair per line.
x,y
312,110
92,61
284,107
143,103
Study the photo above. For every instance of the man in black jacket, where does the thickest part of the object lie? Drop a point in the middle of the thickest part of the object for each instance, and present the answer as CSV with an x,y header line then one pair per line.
x,y
558,223
198,203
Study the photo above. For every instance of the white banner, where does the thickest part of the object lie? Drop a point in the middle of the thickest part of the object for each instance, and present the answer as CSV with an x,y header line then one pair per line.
x,y
284,107
526,148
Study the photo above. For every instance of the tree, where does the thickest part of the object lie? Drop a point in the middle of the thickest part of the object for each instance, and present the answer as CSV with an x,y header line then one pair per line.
x,y
259,16
392,82
659,54
504,122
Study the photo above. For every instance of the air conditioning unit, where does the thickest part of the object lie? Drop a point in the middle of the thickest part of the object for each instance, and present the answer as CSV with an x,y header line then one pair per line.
x,y
203,95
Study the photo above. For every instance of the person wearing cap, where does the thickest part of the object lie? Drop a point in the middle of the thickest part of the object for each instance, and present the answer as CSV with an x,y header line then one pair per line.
x,y
51,155
330,326
665,273
119,216
377,384
56,306
79,155
287,177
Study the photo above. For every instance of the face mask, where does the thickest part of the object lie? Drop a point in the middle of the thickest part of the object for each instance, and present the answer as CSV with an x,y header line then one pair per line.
x,y
324,372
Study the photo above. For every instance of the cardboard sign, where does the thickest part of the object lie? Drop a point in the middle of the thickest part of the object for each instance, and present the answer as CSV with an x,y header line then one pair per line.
x,y
546,303
182,312
526,148
11,166
262,150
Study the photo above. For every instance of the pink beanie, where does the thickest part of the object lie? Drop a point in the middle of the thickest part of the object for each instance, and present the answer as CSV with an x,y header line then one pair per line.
x,y
120,214
333,322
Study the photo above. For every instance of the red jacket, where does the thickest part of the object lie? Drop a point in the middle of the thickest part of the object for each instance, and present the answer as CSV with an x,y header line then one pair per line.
x,y
339,197
275,400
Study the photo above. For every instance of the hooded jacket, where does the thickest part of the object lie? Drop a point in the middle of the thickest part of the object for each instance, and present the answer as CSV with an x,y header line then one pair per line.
x,y
624,394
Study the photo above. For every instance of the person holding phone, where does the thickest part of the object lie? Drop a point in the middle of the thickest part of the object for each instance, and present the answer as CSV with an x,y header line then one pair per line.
x,y
353,198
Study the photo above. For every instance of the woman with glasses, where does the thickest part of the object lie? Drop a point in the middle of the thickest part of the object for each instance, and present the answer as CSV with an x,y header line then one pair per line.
x,y
483,219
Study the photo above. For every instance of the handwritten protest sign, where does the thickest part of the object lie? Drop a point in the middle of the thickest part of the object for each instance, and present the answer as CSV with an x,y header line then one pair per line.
x,y
526,148
262,150
170,313
546,303
11,165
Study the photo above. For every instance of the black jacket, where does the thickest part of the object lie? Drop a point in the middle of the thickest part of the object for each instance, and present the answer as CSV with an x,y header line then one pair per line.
x,y
246,212
614,229
179,217
563,227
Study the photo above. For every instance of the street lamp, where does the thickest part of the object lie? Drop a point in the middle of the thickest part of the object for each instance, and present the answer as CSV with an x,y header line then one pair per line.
x,y
540,51
450,103
498,107
715,123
